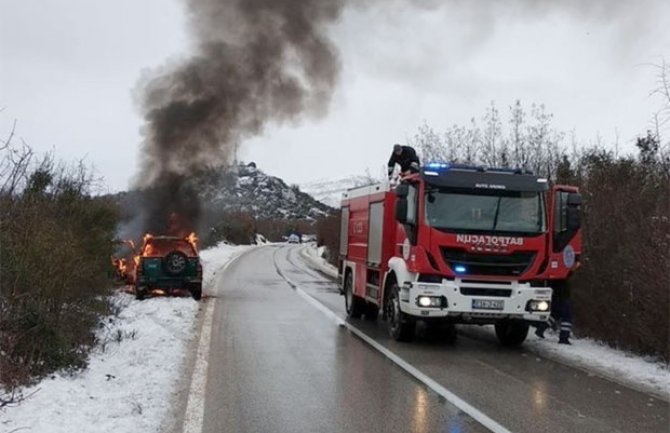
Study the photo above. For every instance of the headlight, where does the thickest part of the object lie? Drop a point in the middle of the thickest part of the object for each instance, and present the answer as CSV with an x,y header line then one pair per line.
x,y
541,306
425,301
430,301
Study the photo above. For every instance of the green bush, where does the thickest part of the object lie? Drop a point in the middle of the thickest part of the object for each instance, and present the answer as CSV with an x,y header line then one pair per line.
x,y
54,266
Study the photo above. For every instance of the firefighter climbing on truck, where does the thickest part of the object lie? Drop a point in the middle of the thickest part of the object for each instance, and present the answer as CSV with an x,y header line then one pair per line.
x,y
458,244
406,157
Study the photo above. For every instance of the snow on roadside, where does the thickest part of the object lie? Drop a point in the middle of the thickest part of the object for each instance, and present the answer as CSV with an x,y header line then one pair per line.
x,y
315,256
622,367
213,259
129,382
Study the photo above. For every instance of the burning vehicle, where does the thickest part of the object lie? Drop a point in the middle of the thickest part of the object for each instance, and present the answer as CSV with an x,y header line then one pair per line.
x,y
167,265
123,262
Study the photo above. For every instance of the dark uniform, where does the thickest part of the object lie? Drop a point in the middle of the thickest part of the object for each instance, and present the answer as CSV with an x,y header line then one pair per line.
x,y
406,157
561,314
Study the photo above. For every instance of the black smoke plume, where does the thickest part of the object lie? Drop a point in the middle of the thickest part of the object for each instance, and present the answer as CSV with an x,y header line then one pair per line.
x,y
254,62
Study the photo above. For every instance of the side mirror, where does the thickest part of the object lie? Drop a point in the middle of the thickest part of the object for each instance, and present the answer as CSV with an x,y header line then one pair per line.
x,y
574,199
401,210
573,220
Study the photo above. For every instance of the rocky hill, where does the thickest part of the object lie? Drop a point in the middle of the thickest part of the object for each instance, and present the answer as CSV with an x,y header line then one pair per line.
x,y
245,188
230,200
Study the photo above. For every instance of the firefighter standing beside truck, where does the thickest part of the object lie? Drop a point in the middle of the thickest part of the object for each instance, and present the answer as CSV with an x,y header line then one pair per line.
x,y
561,314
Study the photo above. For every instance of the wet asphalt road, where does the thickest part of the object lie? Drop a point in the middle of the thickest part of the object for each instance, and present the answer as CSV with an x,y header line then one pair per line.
x,y
278,364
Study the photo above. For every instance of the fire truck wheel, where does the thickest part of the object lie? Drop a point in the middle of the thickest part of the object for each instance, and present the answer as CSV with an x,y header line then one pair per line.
x,y
355,305
511,332
371,311
400,326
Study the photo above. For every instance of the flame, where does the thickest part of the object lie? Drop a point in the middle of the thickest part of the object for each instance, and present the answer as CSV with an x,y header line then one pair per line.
x,y
122,266
193,240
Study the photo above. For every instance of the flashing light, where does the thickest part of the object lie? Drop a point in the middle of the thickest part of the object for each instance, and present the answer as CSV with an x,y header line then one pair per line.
x,y
436,165
460,269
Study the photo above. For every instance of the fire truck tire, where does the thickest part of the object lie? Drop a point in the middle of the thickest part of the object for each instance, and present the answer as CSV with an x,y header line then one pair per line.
x,y
140,293
371,311
354,304
401,327
511,332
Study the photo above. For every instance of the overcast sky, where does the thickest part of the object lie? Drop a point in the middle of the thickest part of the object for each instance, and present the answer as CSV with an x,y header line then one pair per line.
x,y
69,71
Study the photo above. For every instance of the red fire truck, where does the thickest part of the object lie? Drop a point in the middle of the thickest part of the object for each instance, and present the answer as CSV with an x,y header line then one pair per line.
x,y
458,244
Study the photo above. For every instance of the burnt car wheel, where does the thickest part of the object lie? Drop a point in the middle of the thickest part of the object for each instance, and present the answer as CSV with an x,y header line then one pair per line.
x,y
175,262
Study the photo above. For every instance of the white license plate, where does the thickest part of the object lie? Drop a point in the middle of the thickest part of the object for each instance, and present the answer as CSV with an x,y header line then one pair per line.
x,y
488,304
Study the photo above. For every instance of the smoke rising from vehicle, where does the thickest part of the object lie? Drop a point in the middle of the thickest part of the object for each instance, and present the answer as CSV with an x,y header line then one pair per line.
x,y
254,62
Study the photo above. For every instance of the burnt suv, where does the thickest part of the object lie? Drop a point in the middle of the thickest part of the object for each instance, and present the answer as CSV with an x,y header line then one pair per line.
x,y
168,264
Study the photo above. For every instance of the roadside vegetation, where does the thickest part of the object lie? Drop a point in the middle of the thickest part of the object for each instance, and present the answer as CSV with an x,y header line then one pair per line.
x,y
240,228
54,265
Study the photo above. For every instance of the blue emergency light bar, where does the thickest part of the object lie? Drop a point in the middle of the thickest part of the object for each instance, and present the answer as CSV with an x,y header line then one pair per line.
x,y
439,166
459,269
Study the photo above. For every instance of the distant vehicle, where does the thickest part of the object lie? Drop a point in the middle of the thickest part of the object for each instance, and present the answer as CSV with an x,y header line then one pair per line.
x,y
459,244
167,264
294,239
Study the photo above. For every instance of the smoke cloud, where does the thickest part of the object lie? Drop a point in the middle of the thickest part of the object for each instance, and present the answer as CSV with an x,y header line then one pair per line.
x,y
255,62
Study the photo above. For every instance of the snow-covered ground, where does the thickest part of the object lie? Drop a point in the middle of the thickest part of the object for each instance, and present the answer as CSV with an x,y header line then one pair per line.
x,y
623,367
128,384
620,366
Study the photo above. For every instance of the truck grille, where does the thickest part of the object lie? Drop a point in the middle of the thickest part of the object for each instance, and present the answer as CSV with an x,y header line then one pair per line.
x,y
475,291
489,264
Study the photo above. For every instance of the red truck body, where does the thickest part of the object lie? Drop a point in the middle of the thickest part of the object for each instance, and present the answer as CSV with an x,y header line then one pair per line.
x,y
459,244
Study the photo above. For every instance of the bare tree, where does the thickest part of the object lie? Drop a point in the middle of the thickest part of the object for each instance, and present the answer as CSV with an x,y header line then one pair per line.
x,y
517,138
14,162
491,137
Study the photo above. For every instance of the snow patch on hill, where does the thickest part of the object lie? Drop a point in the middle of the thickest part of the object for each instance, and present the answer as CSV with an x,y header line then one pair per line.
x,y
329,191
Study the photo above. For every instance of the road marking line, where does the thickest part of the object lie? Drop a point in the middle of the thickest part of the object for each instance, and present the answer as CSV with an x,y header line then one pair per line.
x,y
195,406
452,398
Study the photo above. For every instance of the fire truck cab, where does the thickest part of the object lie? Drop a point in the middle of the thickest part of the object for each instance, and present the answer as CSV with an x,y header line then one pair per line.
x,y
458,244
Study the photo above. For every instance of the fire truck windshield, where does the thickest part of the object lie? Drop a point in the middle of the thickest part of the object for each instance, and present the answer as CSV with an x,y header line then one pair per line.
x,y
485,211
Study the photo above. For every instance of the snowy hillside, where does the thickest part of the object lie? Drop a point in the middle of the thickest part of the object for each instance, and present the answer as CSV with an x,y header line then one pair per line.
x,y
330,191
248,189
243,188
